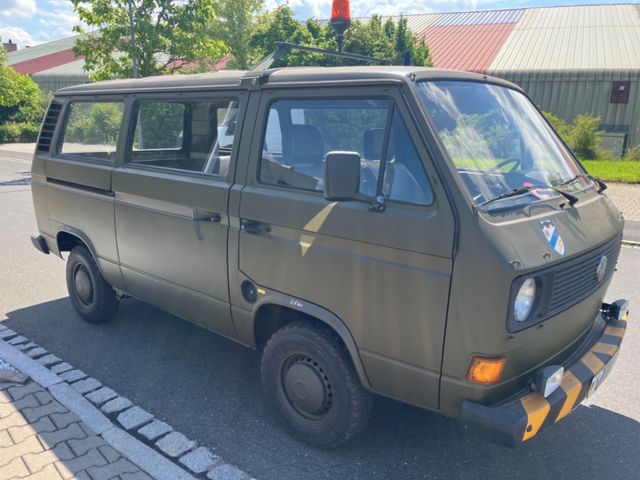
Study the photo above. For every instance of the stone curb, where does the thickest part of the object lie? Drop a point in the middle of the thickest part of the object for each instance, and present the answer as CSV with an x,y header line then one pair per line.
x,y
630,243
154,460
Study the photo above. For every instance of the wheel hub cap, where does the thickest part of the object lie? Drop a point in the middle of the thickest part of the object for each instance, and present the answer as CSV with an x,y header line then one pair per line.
x,y
83,285
306,386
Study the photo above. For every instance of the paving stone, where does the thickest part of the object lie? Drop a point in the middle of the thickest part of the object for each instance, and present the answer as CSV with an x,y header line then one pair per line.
x,y
15,468
109,452
37,461
116,405
175,444
50,472
53,438
199,460
226,472
77,476
18,434
36,352
61,420
86,386
7,333
48,359
43,397
111,470
7,409
135,476
92,458
134,417
5,439
26,346
33,414
80,447
61,367
101,395
18,392
73,375
18,340
154,430
14,420
28,445
75,402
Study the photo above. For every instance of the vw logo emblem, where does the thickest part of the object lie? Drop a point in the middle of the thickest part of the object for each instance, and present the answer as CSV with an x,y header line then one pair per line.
x,y
601,269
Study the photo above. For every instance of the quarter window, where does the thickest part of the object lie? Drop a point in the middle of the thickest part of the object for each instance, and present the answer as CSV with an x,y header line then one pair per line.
x,y
299,134
190,136
92,130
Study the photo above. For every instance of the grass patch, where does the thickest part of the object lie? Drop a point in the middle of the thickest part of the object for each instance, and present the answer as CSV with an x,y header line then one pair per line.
x,y
614,170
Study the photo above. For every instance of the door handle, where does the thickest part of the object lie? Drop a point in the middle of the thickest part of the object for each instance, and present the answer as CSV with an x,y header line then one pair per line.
x,y
207,217
252,226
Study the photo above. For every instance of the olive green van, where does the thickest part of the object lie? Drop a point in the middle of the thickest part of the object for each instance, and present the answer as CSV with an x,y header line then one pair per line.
x,y
414,233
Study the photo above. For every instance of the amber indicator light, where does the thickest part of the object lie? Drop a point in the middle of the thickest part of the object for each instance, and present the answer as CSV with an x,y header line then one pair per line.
x,y
485,370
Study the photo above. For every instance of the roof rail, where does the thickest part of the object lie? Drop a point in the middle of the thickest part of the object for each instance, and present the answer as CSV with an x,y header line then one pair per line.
x,y
256,76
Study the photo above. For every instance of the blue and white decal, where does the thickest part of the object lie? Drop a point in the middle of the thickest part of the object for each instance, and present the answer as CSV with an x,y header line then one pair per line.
x,y
552,234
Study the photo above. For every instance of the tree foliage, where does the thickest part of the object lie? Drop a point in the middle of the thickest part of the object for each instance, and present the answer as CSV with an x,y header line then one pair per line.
x,y
168,36
390,40
235,19
21,105
582,136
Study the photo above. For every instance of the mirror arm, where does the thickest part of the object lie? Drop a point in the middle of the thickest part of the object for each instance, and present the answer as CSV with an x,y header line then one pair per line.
x,y
378,201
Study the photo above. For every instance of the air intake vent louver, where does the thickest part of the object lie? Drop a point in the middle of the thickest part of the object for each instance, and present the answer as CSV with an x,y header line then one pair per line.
x,y
48,126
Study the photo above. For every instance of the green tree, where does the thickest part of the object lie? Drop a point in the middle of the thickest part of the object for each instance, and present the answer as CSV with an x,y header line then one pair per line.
x,y
21,105
168,36
234,19
390,40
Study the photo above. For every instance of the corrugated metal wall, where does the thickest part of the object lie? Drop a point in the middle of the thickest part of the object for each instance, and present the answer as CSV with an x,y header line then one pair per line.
x,y
568,94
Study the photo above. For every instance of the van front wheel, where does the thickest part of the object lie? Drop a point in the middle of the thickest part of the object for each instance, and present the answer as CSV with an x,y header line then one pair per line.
x,y
91,296
309,378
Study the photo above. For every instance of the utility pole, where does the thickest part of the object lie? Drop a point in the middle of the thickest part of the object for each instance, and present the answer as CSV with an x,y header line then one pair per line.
x,y
134,60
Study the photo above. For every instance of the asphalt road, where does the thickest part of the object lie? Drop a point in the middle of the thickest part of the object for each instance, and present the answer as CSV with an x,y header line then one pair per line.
x,y
208,387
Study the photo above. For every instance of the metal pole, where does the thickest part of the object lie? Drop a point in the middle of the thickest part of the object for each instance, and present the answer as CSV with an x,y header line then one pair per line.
x,y
134,61
133,40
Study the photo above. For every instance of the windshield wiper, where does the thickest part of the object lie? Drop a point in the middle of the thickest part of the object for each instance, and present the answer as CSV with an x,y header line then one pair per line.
x,y
601,185
519,191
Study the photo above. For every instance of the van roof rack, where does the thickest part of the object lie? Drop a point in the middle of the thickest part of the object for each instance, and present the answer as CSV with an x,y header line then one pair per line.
x,y
257,76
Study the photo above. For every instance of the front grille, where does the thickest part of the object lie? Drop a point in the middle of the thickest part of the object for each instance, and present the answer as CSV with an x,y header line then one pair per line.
x,y
576,279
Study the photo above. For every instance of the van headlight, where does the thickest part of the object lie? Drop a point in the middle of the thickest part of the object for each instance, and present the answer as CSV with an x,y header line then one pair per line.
x,y
525,299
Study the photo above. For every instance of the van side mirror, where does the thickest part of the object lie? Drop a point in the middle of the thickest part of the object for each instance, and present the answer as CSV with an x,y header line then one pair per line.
x,y
341,175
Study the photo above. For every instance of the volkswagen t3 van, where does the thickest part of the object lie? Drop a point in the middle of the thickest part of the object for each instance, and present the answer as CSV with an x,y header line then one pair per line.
x,y
414,233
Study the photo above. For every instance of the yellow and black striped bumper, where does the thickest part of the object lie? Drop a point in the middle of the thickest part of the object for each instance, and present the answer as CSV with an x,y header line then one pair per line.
x,y
521,419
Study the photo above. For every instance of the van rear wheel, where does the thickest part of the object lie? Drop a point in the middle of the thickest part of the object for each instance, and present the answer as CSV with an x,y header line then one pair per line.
x,y
91,296
309,378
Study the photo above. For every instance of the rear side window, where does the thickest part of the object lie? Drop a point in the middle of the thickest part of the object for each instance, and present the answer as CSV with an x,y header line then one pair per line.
x,y
190,136
299,134
91,130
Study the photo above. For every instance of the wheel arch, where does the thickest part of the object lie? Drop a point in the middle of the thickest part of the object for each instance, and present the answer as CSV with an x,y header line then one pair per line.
x,y
69,237
273,311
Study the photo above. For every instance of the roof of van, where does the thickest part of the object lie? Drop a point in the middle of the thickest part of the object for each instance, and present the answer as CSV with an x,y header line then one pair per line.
x,y
288,75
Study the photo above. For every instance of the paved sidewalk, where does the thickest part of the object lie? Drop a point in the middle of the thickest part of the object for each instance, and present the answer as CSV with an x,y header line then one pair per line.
x,y
627,198
41,439
62,424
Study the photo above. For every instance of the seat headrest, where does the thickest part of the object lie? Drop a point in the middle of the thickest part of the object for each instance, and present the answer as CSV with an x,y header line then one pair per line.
x,y
304,145
372,143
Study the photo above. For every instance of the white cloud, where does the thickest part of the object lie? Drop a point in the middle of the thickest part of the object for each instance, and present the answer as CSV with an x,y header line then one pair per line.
x,y
17,35
17,8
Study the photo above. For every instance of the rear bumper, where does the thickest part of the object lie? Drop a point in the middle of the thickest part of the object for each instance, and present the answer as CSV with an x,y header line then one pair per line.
x,y
520,419
40,243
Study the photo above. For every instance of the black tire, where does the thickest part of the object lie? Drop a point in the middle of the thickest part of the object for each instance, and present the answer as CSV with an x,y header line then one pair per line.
x,y
309,378
91,296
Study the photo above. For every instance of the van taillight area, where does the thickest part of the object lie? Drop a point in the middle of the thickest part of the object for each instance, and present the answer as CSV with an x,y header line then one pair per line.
x,y
520,419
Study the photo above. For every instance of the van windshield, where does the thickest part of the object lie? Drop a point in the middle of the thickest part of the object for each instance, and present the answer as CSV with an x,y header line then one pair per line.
x,y
501,146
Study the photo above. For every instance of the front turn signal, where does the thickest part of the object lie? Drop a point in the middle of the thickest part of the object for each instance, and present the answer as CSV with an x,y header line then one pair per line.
x,y
485,370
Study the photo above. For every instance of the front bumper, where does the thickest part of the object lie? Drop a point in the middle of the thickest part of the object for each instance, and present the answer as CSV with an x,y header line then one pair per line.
x,y
520,419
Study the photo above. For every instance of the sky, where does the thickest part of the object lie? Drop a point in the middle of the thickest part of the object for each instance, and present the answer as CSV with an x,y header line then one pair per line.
x,y
31,22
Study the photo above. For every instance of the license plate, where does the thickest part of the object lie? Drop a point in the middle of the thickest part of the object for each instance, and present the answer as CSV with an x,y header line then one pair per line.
x,y
601,376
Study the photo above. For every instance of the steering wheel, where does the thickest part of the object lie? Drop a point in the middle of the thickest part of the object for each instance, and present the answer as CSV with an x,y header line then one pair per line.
x,y
515,161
